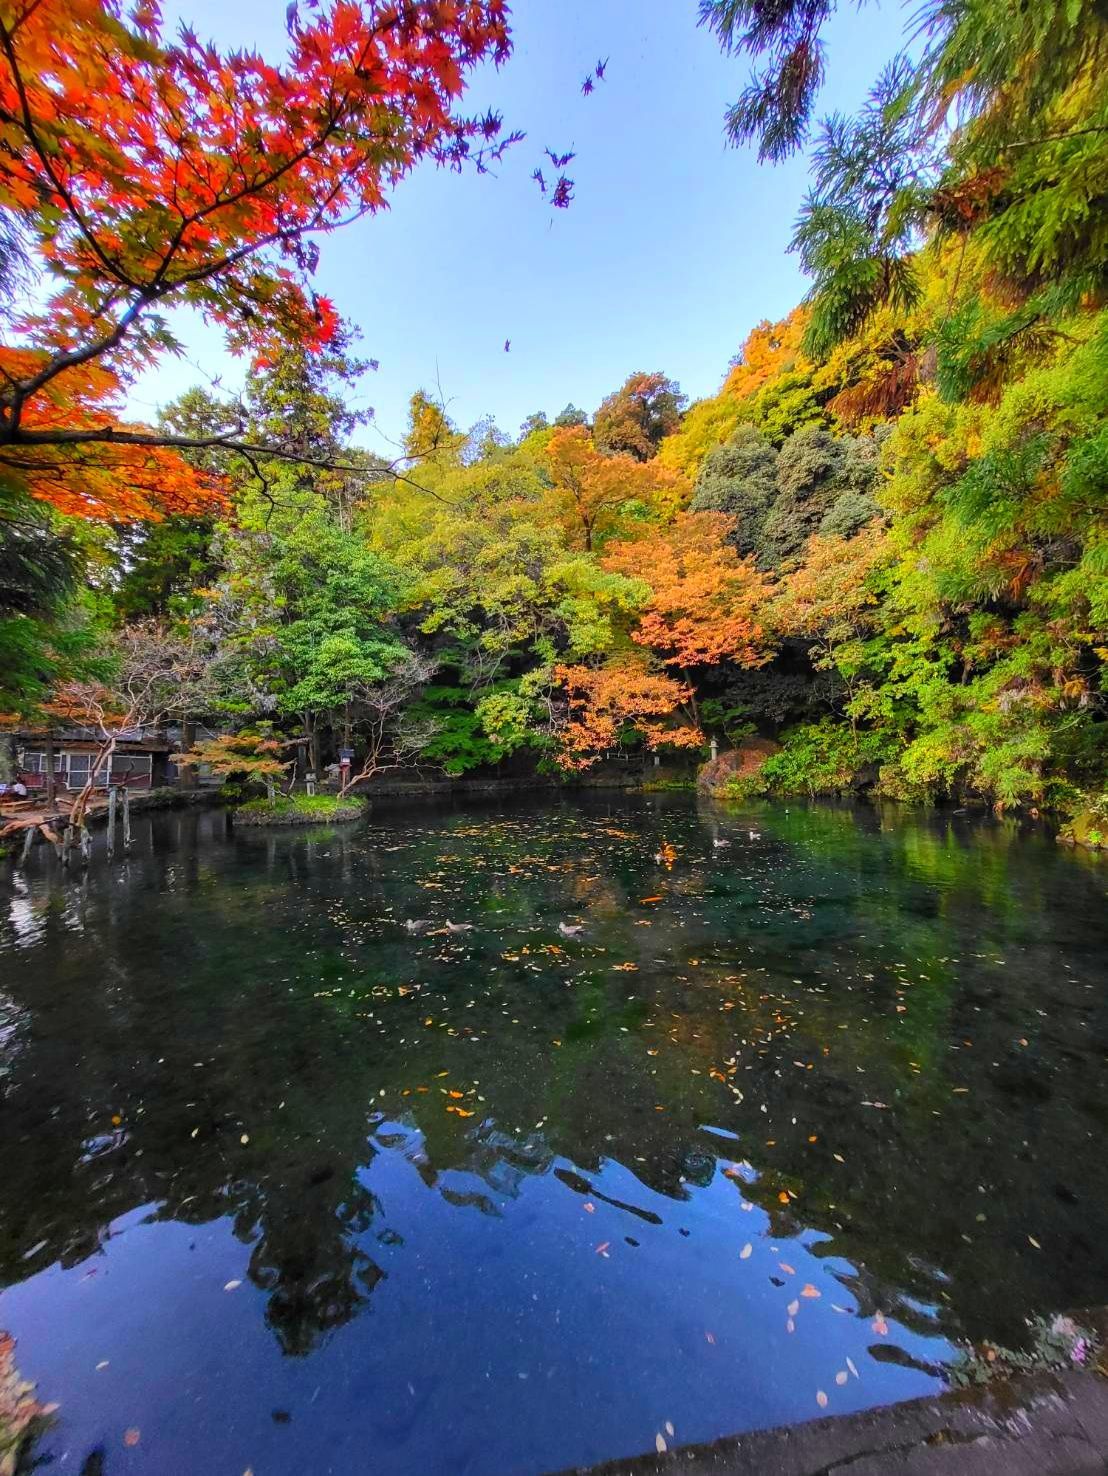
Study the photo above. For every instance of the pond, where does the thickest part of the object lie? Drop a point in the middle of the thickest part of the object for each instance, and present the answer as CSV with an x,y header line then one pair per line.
x,y
690,1122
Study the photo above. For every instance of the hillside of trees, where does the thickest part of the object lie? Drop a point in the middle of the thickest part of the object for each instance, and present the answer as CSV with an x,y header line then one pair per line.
x,y
883,543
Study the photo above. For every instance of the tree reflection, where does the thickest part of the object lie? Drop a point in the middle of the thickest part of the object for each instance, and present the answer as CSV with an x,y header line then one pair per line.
x,y
821,999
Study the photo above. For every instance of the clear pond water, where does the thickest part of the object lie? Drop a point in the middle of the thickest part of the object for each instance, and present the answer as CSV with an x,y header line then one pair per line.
x,y
813,1097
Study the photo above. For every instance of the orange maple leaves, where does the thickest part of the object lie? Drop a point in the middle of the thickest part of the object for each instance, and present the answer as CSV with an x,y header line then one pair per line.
x,y
146,174
704,600
701,607
120,483
605,701
591,490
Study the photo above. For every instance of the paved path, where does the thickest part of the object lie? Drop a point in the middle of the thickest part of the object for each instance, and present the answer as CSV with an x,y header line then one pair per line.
x,y
1034,1425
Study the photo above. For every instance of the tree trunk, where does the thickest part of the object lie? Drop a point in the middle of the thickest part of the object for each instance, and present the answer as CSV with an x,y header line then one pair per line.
x,y
186,773
113,801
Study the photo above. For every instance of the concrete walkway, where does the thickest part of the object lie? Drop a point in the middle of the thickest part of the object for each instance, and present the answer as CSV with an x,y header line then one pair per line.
x,y
1033,1425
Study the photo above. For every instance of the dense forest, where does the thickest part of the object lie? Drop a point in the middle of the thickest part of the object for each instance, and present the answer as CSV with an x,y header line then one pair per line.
x,y
883,543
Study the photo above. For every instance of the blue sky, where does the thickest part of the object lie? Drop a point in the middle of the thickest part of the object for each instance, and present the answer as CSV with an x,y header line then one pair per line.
x,y
674,247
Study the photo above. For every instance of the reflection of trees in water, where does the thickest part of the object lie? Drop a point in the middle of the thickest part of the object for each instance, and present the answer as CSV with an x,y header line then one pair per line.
x,y
127,974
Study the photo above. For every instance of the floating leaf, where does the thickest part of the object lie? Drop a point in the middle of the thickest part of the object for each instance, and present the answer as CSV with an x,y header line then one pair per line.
x,y
821,1399
746,1251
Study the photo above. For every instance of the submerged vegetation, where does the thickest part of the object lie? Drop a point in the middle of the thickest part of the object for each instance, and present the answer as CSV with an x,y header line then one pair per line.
x,y
883,543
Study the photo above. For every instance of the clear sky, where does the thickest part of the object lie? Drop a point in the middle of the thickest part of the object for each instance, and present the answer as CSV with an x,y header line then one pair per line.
x,y
674,247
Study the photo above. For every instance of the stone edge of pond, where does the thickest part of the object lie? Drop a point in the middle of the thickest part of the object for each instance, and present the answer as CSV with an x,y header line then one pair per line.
x,y
1032,1424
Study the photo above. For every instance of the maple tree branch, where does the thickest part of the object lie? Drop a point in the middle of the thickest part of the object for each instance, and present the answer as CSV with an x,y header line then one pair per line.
x,y
28,122
251,451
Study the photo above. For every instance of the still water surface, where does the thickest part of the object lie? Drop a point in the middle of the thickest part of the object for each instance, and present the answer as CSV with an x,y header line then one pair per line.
x,y
814,1096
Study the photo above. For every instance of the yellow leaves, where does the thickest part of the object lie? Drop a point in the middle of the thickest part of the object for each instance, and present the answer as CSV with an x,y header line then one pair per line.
x,y
461,1111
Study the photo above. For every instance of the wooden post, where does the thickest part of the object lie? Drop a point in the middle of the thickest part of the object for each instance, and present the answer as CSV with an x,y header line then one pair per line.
x,y
126,818
113,798
86,844
28,841
51,783
67,845
309,782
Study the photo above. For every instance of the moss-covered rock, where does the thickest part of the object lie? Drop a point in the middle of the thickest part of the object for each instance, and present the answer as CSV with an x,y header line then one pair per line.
x,y
300,809
735,774
1088,828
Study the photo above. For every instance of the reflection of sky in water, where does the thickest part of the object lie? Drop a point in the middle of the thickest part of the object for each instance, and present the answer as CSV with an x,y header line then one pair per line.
x,y
781,1122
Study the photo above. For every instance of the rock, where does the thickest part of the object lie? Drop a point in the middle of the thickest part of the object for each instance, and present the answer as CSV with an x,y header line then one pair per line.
x,y
1087,828
735,770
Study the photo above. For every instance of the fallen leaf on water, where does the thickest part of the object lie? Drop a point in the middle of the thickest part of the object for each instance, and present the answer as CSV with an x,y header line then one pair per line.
x,y
711,1337
460,1111
229,1286
457,1095
821,1399
102,1364
131,1436
660,1443
602,1248
809,1290
880,1326
1034,1242
842,1376
853,1370
588,1205
244,1139
790,1325
783,1197
787,1268
793,1308
746,1250
668,1427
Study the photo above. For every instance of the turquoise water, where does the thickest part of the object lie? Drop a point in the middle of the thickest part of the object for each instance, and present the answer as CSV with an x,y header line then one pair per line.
x,y
813,1097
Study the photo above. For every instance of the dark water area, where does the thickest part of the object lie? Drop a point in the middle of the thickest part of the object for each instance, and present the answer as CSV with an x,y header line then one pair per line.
x,y
815,1096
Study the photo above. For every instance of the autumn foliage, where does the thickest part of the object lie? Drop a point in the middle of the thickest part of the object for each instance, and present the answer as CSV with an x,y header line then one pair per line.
x,y
593,493
147,173
704,600
605,701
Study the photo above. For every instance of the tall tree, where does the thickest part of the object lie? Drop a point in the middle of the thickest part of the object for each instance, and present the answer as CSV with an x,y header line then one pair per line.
x,y
633,420
595,495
